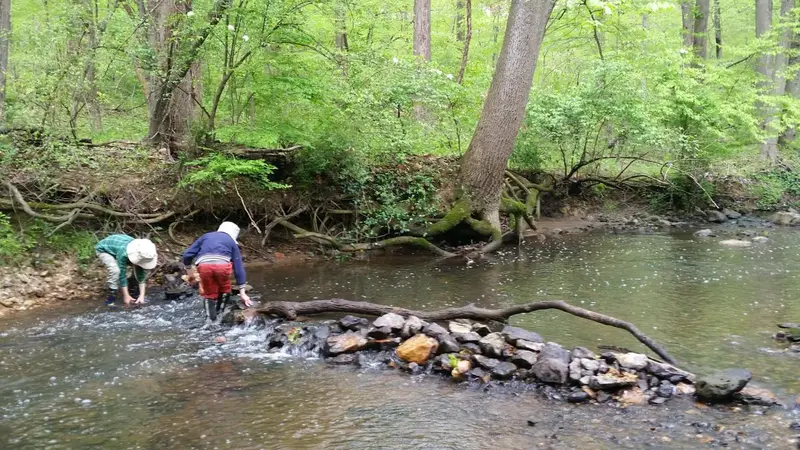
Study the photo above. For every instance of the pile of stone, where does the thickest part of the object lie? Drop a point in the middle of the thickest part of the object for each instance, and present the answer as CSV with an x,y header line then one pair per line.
x,y
475,352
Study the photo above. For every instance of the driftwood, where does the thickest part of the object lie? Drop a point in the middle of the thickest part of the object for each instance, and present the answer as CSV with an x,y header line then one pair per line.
x,y
290,310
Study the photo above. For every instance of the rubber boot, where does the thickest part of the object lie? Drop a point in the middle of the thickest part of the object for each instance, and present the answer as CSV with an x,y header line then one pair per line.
x,y
222,301
211,309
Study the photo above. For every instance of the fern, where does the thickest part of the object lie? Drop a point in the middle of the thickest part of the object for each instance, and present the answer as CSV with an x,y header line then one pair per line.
x,y
216,170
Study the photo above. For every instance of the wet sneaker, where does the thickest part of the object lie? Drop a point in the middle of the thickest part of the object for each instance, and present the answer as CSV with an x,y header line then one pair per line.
x,y
110,301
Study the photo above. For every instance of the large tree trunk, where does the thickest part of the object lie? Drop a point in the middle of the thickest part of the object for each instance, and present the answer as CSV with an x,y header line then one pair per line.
x,y
459,22
467,39
687,20
700,29
717,30
5,32
422,29
770,67
340,19
483,165
171,108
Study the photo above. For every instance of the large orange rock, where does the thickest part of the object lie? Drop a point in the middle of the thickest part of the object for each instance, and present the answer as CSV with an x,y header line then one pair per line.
x,y
418,349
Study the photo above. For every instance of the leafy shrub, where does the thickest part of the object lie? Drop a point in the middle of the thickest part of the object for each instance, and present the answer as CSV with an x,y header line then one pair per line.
x,y
212,173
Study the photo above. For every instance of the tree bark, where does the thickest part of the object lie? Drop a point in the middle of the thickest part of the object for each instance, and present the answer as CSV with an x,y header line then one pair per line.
x,y
340,20
687,20
422,29
467,39
290,310
5,33
770,68
483,165
459,22
700,29
717,30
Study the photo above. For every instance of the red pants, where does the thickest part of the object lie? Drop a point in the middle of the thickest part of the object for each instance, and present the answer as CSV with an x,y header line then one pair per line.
x,y
215,279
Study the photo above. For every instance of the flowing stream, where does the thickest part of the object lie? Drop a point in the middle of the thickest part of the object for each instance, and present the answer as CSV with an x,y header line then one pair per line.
x,y
82,376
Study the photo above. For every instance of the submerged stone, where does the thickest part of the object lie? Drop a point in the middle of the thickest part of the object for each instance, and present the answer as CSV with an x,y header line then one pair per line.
x,y
417,349
578,397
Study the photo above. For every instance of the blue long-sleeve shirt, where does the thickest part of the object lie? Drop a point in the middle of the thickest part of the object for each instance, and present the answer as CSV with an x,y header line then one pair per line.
x,y
216,246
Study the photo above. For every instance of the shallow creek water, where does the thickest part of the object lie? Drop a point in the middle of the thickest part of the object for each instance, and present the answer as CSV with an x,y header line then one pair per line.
x,y
85,377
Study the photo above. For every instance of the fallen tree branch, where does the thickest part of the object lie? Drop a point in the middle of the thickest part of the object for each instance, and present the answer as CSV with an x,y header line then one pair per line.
x,y
290,311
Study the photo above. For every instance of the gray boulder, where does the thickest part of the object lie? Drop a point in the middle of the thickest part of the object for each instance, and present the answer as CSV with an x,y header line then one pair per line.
x,y
575,370
552,366
513,334
447,344
486,363
434,330
353,322
493,344
467,337
390,320
704,233
731,214
412,326
668,372
590,364
524,358
635,361
610,383
583,352
504,370
481,328
722,385
458,327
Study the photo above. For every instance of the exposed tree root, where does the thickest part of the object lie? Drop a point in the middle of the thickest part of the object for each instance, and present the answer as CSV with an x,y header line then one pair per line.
x,y
290,310
76,210
331,241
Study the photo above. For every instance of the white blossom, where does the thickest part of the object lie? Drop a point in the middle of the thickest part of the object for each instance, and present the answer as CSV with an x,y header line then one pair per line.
x,y
231,28
395,60
683,51
449,76
190,14
245,37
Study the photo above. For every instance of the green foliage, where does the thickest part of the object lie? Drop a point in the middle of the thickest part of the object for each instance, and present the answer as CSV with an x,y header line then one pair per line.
x,y
682,194
771,186
213,173
18,244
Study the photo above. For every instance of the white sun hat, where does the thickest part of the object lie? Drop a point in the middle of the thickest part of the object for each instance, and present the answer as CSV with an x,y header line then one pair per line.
x,y
142,252
231,229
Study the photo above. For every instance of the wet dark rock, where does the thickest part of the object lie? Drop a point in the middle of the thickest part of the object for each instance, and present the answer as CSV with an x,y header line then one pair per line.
x,y
552,365
603,397
642,383
722,385
716,216
524,358
448,344
578,397
390,320
513,334
583,352
467,337
442,362
434,330
493,344
504,370
485,362
412,326
657,400
522,374
379,333
731,214
345,343
472,348
530,346
353,322
668,371
653,381
481,328
458,327
477,372
794,426
603,367
344,358
665,389
415,368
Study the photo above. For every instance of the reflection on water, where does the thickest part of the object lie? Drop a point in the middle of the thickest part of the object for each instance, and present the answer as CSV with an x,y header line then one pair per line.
x,y
153,378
